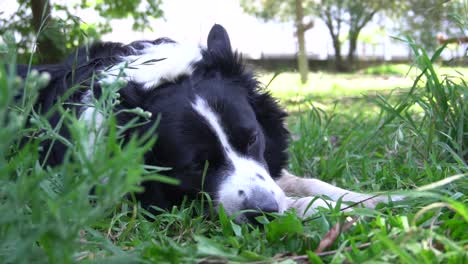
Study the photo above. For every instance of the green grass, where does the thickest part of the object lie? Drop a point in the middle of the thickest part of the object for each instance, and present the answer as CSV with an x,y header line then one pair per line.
x,y
352,130
405,69
287,84
388,69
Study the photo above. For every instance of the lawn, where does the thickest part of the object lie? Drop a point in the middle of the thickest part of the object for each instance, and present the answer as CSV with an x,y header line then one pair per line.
x,y
286,85
355,130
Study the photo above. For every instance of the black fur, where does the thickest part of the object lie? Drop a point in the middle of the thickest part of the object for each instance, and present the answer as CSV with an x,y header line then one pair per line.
x,y
184,142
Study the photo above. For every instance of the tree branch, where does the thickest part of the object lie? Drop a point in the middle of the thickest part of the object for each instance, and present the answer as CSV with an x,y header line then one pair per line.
x,y
308,26
367,19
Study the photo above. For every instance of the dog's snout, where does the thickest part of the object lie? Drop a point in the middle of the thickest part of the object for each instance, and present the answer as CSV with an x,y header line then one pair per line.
x,y
260,201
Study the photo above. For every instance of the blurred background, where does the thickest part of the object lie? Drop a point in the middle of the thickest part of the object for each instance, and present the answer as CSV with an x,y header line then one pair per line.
x,y
332,46
377,97
331,34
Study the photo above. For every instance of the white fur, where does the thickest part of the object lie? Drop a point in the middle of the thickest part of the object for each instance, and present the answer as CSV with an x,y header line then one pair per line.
x,y
303,187
307,206
243,176
93,121
156,64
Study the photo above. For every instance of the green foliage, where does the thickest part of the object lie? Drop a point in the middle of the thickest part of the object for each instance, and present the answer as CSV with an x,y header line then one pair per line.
x,y
388,69
286,11
65,30
336,14
446,17
46,211
139,10
444,102
345,20
353,15
413,138
271,9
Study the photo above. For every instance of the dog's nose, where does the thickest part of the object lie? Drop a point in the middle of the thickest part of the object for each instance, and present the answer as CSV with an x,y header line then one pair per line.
x,y
261,201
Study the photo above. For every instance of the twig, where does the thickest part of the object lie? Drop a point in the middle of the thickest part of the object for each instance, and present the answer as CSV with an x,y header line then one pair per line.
x,y
331,236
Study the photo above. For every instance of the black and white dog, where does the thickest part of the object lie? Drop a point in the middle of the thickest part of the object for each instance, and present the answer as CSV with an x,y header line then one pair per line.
x,y
212,110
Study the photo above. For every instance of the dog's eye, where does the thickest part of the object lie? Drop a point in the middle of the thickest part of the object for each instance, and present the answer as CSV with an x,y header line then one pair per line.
x,y
252,139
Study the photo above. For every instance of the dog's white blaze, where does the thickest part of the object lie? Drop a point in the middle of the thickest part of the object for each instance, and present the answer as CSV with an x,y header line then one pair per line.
x,y
156,64
244,174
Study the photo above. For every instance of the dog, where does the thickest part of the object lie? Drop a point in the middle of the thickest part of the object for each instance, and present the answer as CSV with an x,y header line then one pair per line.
x,y
212,112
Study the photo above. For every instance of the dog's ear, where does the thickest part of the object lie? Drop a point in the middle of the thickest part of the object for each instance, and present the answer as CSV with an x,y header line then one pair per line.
x,y
218,40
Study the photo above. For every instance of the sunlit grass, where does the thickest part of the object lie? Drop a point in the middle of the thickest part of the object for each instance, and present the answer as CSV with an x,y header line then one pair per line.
x,y
352,92
287,84
406,69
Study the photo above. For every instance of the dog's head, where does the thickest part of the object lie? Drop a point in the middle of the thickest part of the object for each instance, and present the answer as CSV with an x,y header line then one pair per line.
x,y
214,118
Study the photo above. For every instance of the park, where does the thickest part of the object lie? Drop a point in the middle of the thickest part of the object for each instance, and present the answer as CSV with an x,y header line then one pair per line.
x,y
376,98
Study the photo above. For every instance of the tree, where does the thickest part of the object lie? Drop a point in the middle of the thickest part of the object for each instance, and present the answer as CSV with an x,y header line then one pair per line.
x,y
289,10
339,15
41,14
444,15
35,23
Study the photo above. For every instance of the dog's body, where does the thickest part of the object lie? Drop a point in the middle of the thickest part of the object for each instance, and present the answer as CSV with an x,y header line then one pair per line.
x,y
212,113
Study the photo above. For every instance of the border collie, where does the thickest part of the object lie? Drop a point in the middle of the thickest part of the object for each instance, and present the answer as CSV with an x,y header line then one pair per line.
x,y
211,108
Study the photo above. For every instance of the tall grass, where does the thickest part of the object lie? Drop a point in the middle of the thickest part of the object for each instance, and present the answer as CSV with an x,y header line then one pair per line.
x,y
443,123
46,212
411,139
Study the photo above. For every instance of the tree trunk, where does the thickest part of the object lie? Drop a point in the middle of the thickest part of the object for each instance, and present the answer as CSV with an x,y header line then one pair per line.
x,y
335,35
49,51
41,13
302,61
353,36
339,65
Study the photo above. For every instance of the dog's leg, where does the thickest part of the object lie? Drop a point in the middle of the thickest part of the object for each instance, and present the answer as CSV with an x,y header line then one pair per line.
x,y
303,187
307,206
